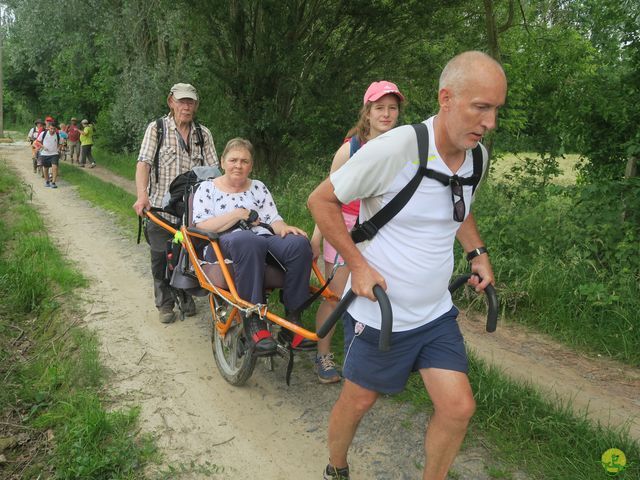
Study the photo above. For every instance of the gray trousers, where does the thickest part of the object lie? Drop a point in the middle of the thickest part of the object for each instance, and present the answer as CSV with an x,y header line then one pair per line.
x,y
74,151
157,239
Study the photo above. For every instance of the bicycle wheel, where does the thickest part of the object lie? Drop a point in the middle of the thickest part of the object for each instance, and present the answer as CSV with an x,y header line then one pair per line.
x,y
231,353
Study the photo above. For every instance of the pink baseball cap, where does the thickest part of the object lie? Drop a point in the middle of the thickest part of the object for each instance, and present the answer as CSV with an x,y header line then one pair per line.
x,y
377,90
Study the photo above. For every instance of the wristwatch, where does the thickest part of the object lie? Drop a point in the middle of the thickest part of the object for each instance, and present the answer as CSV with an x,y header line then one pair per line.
x,y
475,252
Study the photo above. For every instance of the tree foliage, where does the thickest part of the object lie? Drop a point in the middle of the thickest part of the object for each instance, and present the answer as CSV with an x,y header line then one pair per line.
x,y
289,74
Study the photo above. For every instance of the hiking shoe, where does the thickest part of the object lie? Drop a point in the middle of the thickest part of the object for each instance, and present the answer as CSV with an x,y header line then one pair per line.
x,y
333,473
166,316
190,307
53,185
298,342
326,369
92,165
256,331
47,183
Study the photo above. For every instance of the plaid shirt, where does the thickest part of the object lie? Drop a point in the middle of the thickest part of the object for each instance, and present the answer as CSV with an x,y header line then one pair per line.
x,y
173,158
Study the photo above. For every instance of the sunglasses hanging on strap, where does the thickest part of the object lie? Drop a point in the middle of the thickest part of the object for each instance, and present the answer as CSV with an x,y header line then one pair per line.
x,y
368,229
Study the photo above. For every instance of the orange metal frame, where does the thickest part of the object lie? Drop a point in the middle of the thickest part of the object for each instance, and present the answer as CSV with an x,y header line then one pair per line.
x,y
232,294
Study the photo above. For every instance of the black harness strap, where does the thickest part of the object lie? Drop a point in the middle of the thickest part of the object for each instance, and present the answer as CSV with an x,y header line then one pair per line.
x,y
368,229
159,139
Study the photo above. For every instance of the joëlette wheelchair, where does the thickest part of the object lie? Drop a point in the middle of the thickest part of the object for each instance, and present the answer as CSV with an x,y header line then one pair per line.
x,y
188,274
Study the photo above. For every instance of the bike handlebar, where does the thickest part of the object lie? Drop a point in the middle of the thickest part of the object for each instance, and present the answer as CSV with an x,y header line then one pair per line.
x,y
385,311
492,299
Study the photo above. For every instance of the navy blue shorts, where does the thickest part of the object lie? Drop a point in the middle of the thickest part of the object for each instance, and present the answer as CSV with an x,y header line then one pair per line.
x,y
438,344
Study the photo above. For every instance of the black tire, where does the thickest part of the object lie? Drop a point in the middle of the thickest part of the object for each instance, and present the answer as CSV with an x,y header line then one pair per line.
x,y
235,363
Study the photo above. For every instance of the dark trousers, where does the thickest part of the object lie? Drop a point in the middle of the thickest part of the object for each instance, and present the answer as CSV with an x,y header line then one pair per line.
x,y
248,252
85,154
157,239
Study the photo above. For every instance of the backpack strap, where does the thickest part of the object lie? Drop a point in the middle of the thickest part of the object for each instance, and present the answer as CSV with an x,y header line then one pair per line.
x,y
159,138
368,229
478,163
354,145
200,141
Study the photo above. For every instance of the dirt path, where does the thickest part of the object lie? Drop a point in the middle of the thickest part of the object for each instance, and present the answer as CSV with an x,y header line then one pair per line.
x,y
266,429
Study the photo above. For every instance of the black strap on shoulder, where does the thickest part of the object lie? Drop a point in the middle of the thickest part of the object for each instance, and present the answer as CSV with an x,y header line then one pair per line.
x,y
368,229
200,141
478,163
159,138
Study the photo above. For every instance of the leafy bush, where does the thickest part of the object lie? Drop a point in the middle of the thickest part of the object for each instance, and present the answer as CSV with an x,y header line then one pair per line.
x,y
567,259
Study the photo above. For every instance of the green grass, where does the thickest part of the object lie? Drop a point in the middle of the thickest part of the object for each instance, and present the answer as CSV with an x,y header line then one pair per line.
x,y
120,164
104,194
501,165
53,383
526,431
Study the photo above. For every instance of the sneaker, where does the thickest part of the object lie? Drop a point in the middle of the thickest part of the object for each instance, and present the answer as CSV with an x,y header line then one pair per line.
x,y
92,165
256,331
190,307
53,185
47,184
333,473
326,369
166,316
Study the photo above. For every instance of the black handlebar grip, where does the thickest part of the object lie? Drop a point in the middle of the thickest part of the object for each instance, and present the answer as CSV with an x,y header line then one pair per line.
x,y
492,300
386,312
336,314
386,321
492,315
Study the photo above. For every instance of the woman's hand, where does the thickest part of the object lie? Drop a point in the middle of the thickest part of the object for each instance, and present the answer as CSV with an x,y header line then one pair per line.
x,y
287,229
282,229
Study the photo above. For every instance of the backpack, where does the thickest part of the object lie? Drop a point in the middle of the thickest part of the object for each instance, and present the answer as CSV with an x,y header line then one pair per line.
x,y
45,134
175,200
368,229
160,138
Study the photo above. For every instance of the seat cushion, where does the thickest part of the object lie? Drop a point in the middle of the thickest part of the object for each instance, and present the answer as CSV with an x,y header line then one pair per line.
x,y
273,277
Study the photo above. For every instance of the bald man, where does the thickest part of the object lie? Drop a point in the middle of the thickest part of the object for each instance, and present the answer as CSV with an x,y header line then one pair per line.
x,y
411,257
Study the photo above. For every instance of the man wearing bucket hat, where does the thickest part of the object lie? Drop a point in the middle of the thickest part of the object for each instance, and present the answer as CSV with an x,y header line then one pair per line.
x,y
172,145
411,258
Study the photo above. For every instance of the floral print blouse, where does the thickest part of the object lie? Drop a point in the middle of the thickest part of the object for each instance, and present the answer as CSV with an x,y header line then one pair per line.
x,y
209,202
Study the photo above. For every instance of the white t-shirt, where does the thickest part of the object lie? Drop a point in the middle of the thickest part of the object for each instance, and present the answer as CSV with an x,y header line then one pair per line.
x,y
49,143
209,202
414,250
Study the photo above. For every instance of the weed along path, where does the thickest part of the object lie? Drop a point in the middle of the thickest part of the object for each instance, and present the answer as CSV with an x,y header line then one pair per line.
x,y
265,429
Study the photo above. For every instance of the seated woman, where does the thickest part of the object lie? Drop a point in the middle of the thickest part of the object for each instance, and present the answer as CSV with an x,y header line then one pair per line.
x,y
220,204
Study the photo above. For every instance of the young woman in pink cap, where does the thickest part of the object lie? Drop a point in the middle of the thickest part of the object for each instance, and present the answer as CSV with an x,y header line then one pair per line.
x,y
379,114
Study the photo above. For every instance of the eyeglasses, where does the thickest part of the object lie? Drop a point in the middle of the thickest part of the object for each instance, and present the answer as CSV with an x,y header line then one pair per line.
x,y
457,198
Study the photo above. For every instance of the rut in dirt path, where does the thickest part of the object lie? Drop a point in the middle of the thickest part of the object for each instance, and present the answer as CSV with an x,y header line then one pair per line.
x,y
608,391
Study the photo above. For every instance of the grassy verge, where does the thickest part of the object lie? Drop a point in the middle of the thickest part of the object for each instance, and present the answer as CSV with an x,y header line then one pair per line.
x,y
527,432
104,194
121,164
52,404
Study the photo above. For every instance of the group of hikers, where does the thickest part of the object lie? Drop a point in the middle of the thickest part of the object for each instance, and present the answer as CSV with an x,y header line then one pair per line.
x,y
411,257
51,143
